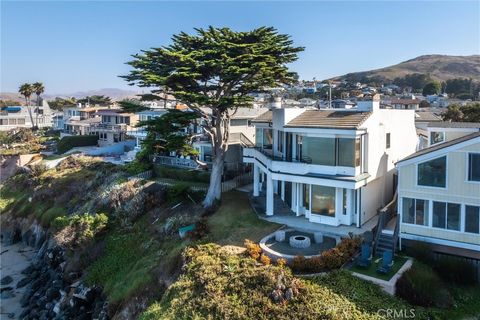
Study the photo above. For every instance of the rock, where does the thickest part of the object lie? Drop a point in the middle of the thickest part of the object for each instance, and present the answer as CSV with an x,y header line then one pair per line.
x,y
280,235
7,293
6,280
22,283
318,236
28,270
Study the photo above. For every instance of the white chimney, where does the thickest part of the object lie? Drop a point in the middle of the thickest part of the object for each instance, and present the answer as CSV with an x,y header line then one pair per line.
x,y
372,104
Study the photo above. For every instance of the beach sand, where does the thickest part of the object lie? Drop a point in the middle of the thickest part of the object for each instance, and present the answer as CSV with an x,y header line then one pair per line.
x,y
13,259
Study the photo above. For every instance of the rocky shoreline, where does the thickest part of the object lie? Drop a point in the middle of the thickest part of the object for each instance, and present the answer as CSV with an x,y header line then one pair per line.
x,y
47,290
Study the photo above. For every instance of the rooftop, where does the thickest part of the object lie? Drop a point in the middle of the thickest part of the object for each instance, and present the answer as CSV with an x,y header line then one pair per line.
x,y
264,117
330,119
442,146
447,124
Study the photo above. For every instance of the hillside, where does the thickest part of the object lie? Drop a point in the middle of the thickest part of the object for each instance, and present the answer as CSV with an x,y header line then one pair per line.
x,y
438,67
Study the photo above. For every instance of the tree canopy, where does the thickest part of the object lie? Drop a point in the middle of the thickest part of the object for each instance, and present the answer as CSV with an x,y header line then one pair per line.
x,y
216,68
433,87
466,113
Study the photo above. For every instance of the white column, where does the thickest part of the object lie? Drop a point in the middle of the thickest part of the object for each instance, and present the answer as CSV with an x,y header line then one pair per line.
x,y
269,196
349,206
338,205
282,193
256,180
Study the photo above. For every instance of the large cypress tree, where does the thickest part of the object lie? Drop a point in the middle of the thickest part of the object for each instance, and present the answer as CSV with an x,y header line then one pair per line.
x,y
216,68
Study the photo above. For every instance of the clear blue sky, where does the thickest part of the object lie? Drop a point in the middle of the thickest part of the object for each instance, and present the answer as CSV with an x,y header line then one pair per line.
x,y
73,46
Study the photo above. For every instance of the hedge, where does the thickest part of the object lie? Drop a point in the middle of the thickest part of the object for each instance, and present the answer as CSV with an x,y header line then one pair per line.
x,y
182,174
69,142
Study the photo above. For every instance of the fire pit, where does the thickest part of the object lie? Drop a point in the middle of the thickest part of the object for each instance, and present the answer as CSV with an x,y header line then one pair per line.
x,y
299,241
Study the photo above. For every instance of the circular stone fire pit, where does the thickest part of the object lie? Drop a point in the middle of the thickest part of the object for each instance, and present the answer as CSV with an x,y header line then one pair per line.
x,y
299,241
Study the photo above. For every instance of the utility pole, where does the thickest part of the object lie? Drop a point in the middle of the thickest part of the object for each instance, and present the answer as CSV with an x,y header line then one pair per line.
x,y
330,94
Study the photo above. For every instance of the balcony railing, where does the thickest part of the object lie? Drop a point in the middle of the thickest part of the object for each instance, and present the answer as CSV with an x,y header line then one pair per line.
x,y
271,155
175,162
109,127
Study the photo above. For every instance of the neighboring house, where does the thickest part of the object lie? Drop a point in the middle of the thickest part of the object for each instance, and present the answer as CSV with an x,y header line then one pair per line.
x,y
439,196
443,131
141,133
115,126
12,117
342,104
409,104
242,134
334,167
422,119
57,121
79,120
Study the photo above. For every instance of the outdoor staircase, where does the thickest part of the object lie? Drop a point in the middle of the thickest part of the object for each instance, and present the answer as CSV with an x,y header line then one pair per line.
x,y
386,236
384,242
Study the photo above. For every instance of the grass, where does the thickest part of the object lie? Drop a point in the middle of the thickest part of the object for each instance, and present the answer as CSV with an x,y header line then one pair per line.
x,y
467,302
236,221
172,182
398,262
127,263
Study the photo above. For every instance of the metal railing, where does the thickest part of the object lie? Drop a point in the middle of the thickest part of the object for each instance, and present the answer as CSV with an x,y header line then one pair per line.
x,y
384,216
271,155
175,162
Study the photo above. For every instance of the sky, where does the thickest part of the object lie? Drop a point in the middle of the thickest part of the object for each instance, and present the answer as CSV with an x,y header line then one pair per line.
x,y
74,46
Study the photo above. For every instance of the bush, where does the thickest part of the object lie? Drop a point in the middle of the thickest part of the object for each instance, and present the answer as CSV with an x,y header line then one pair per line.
x,y
78,229
455,270
136,167
51,214
69,142
219,285
178,192
328,260
253,249
182,174
421,286
265,260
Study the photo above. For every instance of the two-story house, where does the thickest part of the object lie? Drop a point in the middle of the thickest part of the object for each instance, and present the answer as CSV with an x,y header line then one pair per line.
x,y
439,196
115,126
333,167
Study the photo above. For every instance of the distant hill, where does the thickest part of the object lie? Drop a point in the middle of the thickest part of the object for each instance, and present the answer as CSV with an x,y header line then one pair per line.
x,y
115,94
437,67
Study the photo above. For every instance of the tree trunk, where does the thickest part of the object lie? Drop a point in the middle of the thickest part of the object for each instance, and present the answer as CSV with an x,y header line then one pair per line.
x,y
220,147
30,113
215,187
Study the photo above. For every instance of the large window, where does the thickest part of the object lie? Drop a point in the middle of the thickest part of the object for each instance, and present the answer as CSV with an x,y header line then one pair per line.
x,y
267,139
472,219
415,211
323,200
433,173
329,151
258,137
446,215
319,150
437,137
474,166
347,152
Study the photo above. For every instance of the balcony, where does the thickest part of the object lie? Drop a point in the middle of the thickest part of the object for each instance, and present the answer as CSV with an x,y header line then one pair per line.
x,y
280,164
103,127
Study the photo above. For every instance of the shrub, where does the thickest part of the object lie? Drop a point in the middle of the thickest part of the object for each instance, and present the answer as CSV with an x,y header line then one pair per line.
x,y
178,191
182,174
136,167
455,270
253,249
421,286
421,251
328,260
265,260
281,262
69,142
51,214
77,229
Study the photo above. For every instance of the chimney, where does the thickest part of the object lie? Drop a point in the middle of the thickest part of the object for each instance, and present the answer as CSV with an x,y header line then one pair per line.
x,y
369,103
276,103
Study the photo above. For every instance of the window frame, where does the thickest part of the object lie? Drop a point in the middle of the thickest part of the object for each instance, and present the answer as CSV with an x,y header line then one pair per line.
x,y
426,212
388,140
432,159
468,179
465,219
436,132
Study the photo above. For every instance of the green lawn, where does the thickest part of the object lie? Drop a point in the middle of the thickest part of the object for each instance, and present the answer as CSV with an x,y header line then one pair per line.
x,y
236,221
398,262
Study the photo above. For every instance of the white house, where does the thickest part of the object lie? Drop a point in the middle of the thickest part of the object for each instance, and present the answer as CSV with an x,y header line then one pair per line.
x,y
333,167
444,131
439,196
12,117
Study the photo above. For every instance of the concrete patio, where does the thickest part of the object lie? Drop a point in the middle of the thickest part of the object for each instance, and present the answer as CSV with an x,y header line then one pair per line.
x,y
284,215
